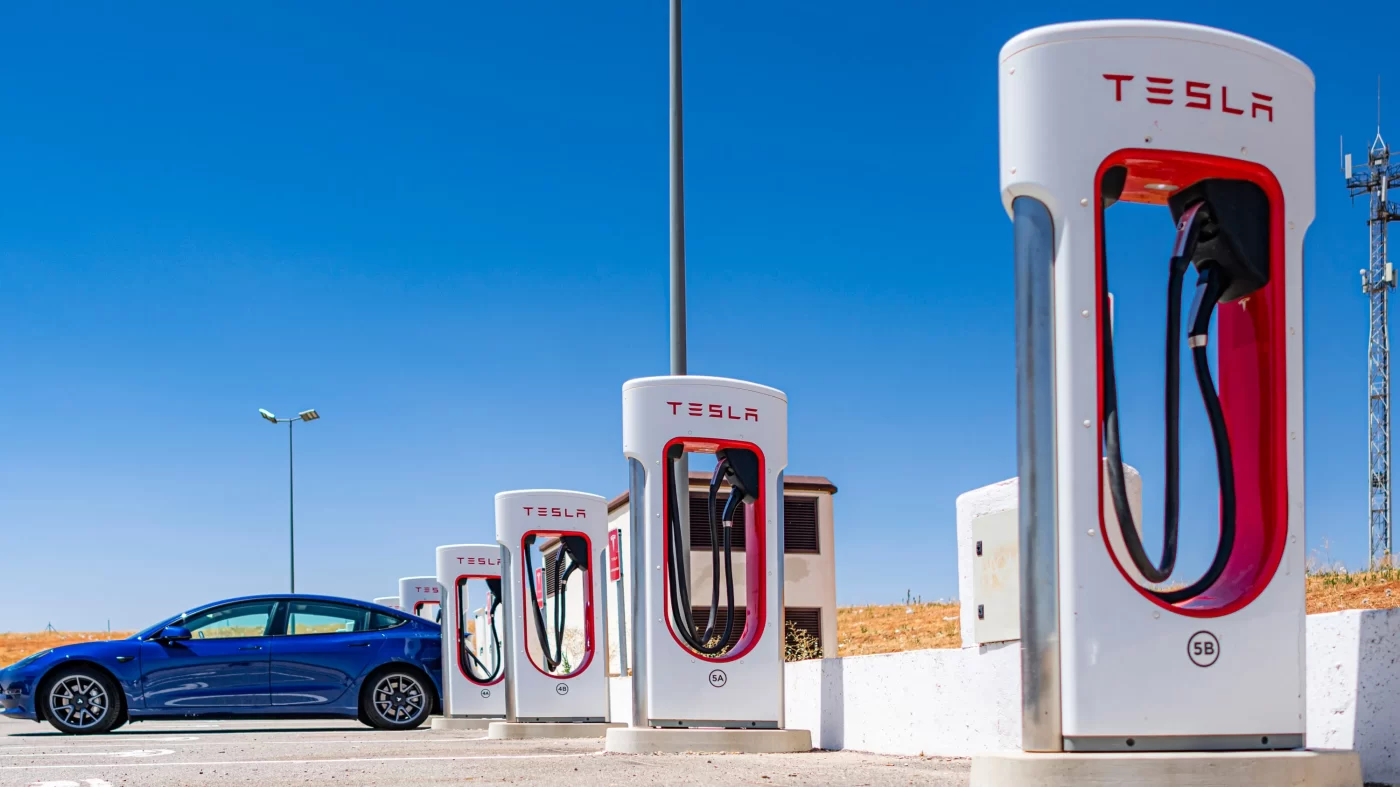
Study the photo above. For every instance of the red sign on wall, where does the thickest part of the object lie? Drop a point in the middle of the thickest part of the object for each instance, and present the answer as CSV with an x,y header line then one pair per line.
x,y
539,587
614,555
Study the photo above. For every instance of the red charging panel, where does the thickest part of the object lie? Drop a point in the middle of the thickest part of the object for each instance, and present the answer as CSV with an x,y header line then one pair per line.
x,y
1253,382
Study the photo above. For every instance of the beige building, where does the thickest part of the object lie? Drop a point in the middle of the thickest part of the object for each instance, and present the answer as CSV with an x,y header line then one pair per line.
x,y
809,562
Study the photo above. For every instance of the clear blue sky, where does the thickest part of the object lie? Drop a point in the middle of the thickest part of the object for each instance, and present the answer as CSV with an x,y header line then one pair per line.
x,y
445,226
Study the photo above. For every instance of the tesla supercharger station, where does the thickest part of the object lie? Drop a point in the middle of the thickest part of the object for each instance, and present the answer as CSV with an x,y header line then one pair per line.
x,y
473,666
421,596
392,602
548,693
706,660
1118,653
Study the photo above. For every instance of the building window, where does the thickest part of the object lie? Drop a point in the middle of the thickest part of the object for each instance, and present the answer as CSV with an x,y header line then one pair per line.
x,y
799,523
809,619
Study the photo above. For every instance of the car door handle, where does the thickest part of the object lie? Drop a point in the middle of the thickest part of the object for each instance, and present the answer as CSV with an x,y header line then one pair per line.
x,y
251,647
358,645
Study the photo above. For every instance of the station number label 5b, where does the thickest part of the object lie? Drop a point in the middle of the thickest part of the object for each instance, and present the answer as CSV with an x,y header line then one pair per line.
x,y
1203,648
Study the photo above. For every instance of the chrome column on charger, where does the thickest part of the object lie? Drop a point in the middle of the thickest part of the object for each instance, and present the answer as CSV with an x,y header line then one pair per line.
x,y
707,645
1120,650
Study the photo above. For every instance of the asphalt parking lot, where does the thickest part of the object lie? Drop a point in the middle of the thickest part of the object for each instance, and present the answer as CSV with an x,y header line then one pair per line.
x,y
345,753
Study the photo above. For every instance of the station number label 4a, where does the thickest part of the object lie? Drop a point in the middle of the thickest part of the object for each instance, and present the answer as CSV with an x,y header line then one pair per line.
x,y
1203,648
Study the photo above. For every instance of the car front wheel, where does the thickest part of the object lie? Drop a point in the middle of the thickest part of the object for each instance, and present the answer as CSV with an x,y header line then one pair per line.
x,y
395,700
82,701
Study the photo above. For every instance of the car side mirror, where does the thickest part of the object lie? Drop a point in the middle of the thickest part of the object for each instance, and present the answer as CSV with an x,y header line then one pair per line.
x,y
173,634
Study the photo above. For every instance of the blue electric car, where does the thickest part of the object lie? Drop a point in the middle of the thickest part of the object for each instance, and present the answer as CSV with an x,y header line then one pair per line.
x,y
282,656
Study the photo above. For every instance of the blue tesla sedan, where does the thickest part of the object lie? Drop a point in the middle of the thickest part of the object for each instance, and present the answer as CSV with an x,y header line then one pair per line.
x,y
282,656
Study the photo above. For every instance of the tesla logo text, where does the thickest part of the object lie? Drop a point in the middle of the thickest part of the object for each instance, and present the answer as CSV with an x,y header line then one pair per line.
x,y
432,589
1193,95
560,512
700,410
479,561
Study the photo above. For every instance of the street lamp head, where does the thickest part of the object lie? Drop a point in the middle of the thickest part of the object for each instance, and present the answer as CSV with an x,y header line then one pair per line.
x,y
308,415
267,415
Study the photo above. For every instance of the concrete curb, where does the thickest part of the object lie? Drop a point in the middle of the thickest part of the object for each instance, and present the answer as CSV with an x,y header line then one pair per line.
x,y
520,730
1169,769
648,740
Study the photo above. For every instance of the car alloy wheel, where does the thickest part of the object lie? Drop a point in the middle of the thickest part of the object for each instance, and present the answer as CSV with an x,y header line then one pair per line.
x,y
79,701
399,698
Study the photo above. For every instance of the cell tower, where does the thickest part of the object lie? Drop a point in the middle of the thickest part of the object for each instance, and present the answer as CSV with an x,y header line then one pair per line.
x,y
1377,280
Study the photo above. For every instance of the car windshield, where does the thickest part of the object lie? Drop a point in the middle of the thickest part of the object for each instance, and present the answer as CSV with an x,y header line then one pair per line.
x,y
150,632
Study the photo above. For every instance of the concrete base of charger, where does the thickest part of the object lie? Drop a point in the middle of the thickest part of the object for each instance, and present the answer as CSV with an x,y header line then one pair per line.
x,y
1311,768
652,740
520,730
460,723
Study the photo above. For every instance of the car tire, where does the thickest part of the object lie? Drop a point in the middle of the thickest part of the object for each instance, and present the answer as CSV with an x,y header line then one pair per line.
x,y
396,699
82,701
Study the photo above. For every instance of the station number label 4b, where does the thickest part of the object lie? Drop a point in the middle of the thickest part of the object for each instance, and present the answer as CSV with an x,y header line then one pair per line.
x,y
1203,648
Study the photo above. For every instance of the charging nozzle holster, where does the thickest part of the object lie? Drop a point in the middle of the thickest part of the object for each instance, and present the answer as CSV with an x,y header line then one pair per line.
x,y
1234,233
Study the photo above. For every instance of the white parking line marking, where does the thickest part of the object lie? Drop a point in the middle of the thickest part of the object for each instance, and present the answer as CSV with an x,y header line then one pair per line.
x,y
127,753
156,739
289,741
85,783
305,762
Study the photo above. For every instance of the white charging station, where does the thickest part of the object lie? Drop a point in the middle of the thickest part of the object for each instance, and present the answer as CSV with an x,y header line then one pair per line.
x,y
1118,653
473,664
392,602
707,661
549,694
421,596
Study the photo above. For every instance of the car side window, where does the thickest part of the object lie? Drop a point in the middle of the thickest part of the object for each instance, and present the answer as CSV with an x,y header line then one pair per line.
x,y
321,617
245,619
381,621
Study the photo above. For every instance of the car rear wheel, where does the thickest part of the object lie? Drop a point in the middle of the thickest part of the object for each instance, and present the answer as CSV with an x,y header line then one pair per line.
x,y
395,700
82,701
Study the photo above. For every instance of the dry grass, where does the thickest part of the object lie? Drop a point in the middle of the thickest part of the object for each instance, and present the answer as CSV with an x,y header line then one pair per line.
x,y
1334,590
14,647
861,631
894,628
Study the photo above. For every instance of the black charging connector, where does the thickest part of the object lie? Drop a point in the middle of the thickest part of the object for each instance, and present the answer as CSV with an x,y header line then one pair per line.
x,y
577,547
741,471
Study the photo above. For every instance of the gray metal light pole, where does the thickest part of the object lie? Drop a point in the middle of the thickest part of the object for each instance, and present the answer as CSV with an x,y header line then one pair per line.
x,y
305,415
677,200
678,349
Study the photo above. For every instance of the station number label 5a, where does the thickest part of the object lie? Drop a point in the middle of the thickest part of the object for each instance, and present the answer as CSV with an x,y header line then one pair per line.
x,y
1203,648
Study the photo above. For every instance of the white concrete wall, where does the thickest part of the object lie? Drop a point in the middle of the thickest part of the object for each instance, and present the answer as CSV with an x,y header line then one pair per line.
x,y
1353,701
956,703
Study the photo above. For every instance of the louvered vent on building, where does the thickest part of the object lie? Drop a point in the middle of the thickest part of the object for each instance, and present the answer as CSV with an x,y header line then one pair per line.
x,y
808,619
799,523
701,616
700,521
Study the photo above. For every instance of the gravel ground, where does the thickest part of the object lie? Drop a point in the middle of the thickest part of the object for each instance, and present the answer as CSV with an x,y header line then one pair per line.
x,y
270,753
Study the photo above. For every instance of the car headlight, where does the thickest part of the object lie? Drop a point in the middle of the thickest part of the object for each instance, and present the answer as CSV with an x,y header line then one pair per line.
x,y
30,658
